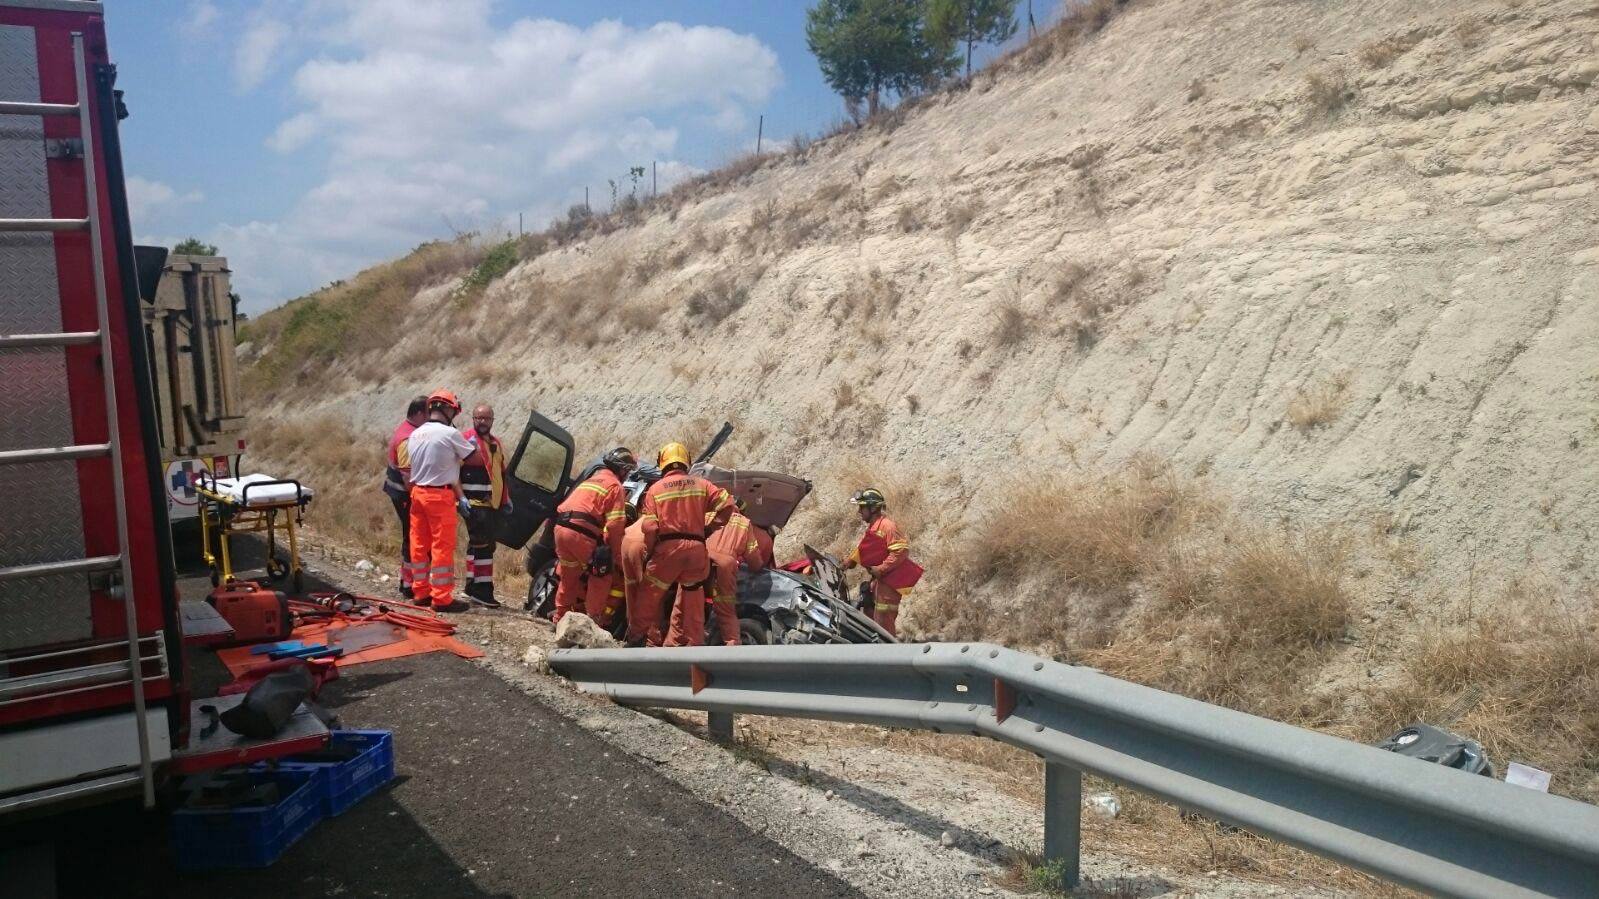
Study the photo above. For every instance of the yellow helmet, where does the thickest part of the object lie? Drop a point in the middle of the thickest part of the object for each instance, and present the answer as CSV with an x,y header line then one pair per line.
x,y
672,454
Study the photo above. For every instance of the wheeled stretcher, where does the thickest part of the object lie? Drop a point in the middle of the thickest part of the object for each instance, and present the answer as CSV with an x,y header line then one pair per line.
x,y
252,504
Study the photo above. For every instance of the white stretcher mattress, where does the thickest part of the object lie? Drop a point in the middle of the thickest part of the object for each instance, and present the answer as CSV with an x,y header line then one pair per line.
x,y
275,495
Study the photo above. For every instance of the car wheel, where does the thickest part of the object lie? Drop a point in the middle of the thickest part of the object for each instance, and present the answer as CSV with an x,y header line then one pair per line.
x,y
753,633
541,590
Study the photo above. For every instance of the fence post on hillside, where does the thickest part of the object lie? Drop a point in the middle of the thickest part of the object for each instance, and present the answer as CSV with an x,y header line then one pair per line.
x,y
1063,820
655,184
760,132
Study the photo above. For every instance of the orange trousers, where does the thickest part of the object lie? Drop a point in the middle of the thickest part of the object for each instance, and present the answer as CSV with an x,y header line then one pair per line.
x,y
573,550
644,624
433,519
885,605
684,563
724,597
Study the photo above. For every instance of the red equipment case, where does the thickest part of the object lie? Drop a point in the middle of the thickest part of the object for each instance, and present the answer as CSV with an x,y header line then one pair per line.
x,y
256,614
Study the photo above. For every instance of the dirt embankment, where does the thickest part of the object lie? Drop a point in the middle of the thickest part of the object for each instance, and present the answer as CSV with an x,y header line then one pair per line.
x,y
1295,301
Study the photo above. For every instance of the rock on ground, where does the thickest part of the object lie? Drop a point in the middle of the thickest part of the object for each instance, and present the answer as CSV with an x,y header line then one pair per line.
x,y
577,630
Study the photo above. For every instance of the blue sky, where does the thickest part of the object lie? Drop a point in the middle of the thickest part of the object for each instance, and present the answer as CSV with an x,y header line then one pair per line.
x,y
310,138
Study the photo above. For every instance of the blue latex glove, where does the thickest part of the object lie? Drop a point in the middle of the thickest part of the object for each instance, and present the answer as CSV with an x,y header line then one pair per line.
x,y
464,506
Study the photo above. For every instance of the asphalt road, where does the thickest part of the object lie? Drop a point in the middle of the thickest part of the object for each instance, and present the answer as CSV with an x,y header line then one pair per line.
x,y
497,795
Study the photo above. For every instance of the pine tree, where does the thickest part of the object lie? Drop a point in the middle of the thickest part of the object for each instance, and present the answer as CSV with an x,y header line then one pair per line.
x,y
973,22
869,48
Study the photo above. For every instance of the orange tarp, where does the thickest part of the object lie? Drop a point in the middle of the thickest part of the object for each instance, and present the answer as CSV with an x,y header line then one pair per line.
x,y
239,660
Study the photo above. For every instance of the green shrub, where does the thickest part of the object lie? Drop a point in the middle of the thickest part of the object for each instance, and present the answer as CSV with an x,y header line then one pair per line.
x,y
500,258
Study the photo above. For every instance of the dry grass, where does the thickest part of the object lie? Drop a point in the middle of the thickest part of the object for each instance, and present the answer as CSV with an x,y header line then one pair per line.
x,y
959,215
348,320
1196,90
1320,404
1149,578
908,219
1523,679
1077,25
1082,301
1302,44
1011,325
1380,54
640,317
874,298
831,192
715,302
1327,91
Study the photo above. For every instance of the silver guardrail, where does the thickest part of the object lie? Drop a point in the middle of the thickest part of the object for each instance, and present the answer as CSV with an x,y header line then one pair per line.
x,y
1435,829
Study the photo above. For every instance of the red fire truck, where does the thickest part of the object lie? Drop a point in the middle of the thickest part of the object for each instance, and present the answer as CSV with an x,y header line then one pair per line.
x,y
94,698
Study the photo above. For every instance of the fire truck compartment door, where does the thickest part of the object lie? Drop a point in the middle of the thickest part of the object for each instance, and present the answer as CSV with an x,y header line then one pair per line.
x,y
40,756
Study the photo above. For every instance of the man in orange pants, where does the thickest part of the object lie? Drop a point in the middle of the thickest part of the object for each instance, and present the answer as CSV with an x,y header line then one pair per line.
x,y
436,450
678,509
885,553
733,543
588,539
644,626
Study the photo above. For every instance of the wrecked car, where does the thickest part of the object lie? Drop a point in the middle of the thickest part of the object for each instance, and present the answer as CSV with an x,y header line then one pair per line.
x,y
774,606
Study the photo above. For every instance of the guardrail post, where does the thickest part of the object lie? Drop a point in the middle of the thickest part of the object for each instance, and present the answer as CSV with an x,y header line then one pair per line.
x,y
1063,818
720,725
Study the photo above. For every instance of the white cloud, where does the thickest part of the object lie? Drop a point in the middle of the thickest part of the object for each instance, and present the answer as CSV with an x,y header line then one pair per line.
x,y
432,116
148,200
259,50
293,133
201,16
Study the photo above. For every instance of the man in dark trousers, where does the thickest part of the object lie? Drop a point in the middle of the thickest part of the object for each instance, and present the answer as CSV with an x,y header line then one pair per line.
x,y
483,482
394,484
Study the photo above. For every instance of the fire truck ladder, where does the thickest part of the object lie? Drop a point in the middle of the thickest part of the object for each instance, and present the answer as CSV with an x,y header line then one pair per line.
x,y
112,449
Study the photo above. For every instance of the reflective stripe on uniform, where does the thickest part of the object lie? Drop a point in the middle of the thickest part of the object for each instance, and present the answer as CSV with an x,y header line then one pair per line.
x,y
681,493
590,485
655,581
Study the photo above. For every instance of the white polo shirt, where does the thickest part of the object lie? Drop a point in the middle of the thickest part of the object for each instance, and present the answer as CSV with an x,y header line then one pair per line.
x,y
436,451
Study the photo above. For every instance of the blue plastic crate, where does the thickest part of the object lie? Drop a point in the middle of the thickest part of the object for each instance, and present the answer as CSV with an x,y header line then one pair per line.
x,y
204,839
345,783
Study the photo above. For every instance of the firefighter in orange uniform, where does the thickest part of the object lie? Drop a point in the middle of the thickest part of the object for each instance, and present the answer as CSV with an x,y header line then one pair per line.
x,y
885,554
588,539
483,482
643,625
678,510
733,543
765,537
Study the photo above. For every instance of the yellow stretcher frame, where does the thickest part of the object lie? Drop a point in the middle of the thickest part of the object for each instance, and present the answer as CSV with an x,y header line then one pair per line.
x,y
226,516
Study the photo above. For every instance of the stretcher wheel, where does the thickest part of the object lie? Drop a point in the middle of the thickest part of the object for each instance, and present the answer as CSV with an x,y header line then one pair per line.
x,y
276,569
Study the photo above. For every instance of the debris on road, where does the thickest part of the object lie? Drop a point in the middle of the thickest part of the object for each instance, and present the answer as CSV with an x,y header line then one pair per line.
x,y
1104,806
